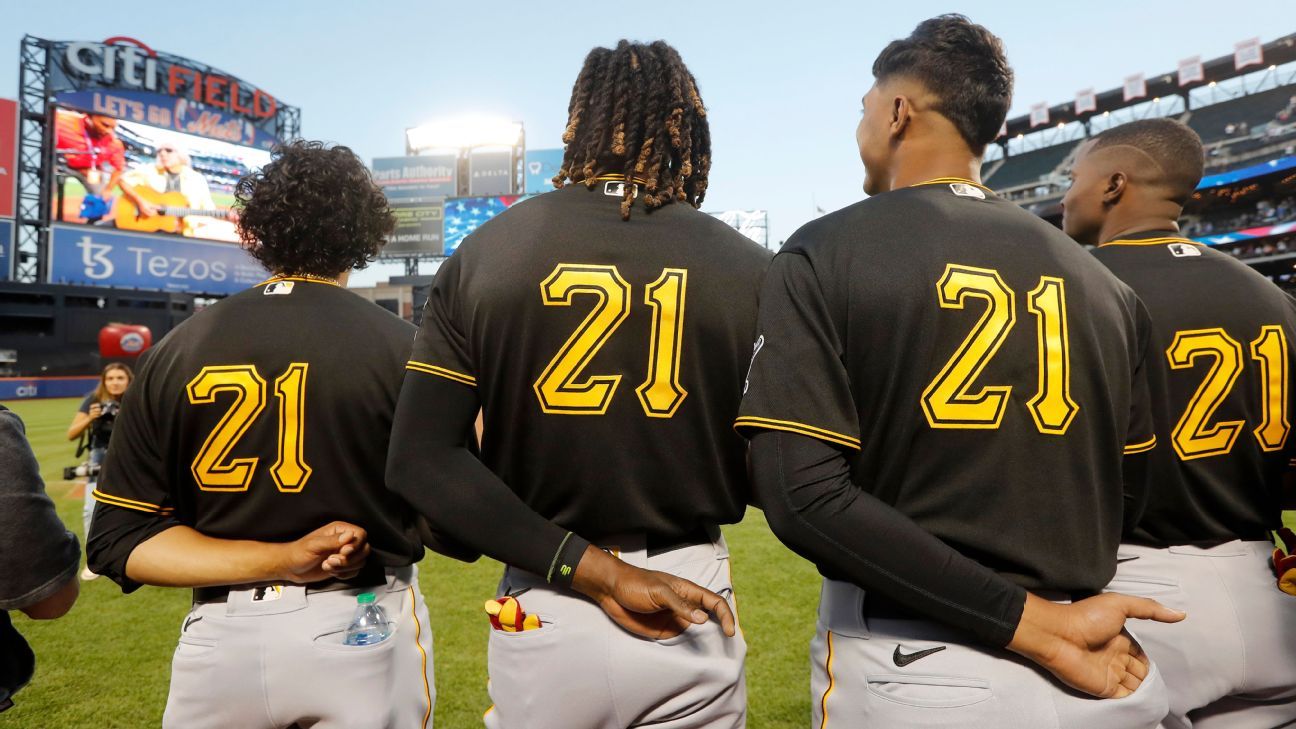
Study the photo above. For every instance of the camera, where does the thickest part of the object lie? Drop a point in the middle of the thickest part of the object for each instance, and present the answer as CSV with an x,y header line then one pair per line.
x,y
87,469
109,411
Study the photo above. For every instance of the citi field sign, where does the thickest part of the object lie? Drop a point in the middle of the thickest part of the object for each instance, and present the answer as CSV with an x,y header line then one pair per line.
x,y
125,78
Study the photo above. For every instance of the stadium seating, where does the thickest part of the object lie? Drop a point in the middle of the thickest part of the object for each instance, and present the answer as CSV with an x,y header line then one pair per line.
x,y
1257,109
1028,167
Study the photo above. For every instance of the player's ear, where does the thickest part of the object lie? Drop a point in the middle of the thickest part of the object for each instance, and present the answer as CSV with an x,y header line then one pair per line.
x,y
1115,189
901,114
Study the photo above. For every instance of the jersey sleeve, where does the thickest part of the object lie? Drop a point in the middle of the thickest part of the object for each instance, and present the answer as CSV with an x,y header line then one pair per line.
x,y
441,346
134,474
1141,435
797,381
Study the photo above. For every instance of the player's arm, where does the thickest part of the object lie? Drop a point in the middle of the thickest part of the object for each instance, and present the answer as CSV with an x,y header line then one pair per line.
x,y
135,537
800,416
38,555
431,465
1148,399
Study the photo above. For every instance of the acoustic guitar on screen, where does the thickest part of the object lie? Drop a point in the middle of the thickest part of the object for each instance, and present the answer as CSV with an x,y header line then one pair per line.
x,y
173,208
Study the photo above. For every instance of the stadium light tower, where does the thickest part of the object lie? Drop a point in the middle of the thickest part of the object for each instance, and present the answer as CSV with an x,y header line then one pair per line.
x,y
466,137
464,133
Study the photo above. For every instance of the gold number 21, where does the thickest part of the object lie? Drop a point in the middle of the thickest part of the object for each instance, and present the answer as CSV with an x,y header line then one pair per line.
x,y
561,390
949,402
212,468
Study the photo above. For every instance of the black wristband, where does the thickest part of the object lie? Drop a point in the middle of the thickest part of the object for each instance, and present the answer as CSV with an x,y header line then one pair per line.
x,y
566,559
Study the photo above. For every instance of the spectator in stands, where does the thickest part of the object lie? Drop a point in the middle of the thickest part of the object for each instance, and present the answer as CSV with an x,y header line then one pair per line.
x,y
38,555
96,416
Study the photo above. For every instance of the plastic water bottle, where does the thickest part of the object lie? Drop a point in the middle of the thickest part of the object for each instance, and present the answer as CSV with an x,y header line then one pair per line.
x,y
369,626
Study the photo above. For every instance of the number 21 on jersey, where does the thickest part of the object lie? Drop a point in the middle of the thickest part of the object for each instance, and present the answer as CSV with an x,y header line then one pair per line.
x,y
213,468
561,390
1192,436
950,401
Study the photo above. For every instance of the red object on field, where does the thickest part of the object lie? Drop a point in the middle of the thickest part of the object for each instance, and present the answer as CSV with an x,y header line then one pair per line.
x,y
124,340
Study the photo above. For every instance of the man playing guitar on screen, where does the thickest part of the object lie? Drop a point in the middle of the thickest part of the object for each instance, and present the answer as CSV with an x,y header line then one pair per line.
x,y
183,203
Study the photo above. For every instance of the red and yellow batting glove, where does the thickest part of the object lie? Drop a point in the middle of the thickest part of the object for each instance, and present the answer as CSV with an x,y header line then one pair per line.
x,y
1284,563
506,614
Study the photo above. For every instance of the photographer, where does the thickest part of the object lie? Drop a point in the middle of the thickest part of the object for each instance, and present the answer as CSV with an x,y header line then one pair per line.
x,y
96,416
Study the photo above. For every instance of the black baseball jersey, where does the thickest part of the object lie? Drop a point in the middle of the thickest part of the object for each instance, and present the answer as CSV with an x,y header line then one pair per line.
x,y
1220,375
607,355
983,373
267,416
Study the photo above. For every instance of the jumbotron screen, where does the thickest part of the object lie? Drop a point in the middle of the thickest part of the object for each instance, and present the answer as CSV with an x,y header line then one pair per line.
x,y
139,178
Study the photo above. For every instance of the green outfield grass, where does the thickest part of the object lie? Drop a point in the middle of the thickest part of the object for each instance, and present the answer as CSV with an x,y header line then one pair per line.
x,y
106,663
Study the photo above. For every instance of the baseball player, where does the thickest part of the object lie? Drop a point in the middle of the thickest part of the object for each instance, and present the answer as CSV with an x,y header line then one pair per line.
x,y
1219,366
605,331
253,423
940,350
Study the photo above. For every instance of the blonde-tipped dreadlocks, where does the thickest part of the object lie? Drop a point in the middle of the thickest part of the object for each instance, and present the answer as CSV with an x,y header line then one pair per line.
x,y
635,112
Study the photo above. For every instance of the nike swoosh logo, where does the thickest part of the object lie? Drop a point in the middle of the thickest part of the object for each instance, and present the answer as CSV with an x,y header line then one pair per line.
x,y
189,622
904,659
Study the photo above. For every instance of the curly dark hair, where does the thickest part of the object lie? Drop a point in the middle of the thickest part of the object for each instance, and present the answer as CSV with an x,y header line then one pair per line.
x,y
964,65
314,209
635,112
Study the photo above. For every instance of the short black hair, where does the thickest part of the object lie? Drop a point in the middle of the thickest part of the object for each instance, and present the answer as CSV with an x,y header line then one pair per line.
x,y
1174,147
314,209
964,65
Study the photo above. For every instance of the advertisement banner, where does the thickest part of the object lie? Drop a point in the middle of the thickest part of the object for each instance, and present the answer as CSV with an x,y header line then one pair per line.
x,y
419,178
8,157
490,172
752,223
94,256
463,215
541,166
6,249
140,78
418,229
168,112
33,388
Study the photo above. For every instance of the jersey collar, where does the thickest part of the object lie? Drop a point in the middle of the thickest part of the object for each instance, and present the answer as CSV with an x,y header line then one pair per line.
x,y
1150,238
951,181
301,277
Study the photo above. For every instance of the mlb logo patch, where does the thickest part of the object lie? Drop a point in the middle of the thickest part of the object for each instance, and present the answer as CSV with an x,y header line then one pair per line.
x,y
279,288
1183,250
617,189
965,190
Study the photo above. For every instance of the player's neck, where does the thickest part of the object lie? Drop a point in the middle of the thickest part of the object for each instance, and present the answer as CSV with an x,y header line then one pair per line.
x,y
935,164
1119,228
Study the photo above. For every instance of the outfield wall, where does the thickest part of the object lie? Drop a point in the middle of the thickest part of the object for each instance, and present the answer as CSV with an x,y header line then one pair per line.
x,y
40,388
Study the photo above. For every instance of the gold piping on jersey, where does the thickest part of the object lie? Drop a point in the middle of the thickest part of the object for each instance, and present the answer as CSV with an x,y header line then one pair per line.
x,y
1164,240
621,178
951,181
823,702
1143,447
799,428
418,633
132,504
441,372
301,277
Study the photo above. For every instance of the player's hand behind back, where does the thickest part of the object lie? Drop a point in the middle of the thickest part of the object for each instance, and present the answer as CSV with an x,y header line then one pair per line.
x,y
648,603
336,550
1085,644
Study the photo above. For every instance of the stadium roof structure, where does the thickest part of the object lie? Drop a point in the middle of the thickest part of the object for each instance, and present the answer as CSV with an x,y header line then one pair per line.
x,y
1277,53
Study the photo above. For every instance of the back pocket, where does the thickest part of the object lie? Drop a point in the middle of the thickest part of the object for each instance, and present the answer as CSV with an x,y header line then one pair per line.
x,y
929,692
